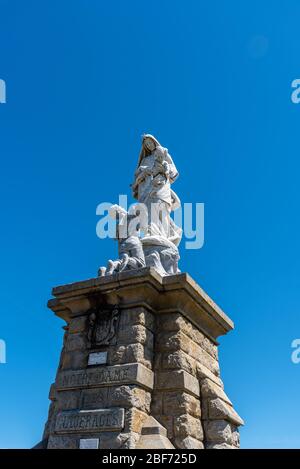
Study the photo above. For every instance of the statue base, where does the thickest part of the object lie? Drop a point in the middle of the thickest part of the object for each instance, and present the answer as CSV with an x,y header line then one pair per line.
x,y
139,366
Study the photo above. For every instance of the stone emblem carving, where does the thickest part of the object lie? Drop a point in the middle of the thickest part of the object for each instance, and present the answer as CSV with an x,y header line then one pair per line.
x,y
102,326
147,235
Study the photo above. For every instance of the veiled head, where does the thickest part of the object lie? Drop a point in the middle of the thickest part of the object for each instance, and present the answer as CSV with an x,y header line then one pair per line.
x,y
149,143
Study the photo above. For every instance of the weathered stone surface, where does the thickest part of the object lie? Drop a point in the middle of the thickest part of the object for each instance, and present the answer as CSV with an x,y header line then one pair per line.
x,y
94,420
95,398
204,372
178,360
186,425
218,431
204,408
170,341
134,420
130,354
173,292
128,440
153,436
52,392
62,442
74,360
151,427
188,443
102,376
75,342
122,396
180,380
68,400
131,396
211,390
167,422
177,322
220,446
175,403
184,356
136,334
154,442
107,440
235,436
218,410
133,316
77,324
157,403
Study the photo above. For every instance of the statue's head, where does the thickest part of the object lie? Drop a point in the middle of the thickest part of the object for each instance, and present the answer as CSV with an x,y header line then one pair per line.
x,y
149,143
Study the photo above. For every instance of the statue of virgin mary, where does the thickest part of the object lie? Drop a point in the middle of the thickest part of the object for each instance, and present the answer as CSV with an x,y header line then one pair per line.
x,y
154,175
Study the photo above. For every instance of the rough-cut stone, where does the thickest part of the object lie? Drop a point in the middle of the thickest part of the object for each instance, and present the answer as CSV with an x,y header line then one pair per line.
x,y
58,442
77,324
188,443
167,422
177,322
218,431
52,392
136,334
75,342
157,403
177,380
235,436
186,425
131,396
133,316
122,396
74,360
130,354
178,361
153,436
134,420
95,398
175,403
219,409
203,372
204,409
68,399
220,446
211,390
162,363
127,440
170,341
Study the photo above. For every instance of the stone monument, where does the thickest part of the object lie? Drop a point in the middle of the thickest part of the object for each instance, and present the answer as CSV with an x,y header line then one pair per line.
x,y
139,363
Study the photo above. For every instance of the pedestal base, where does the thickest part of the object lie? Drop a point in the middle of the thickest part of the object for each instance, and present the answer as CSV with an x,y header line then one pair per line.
x,y
138,349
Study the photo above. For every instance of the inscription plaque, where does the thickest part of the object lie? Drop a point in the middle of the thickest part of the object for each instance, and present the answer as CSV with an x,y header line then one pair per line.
x,y
134,373
89,443
97,358
90,420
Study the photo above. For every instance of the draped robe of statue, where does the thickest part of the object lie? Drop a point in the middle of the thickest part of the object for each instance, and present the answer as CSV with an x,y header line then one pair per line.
x,y
154,175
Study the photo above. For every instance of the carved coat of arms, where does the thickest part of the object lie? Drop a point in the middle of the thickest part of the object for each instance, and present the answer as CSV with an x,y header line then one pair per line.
x,y
102,327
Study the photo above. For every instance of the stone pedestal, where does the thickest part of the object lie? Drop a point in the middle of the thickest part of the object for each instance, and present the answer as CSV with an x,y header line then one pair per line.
x,y
139,366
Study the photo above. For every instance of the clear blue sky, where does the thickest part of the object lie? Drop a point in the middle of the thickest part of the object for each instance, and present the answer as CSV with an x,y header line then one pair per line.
x,y
212,81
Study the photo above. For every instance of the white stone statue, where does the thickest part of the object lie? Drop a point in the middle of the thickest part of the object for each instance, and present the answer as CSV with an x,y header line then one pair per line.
x,y
130,250
154,175
157,247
